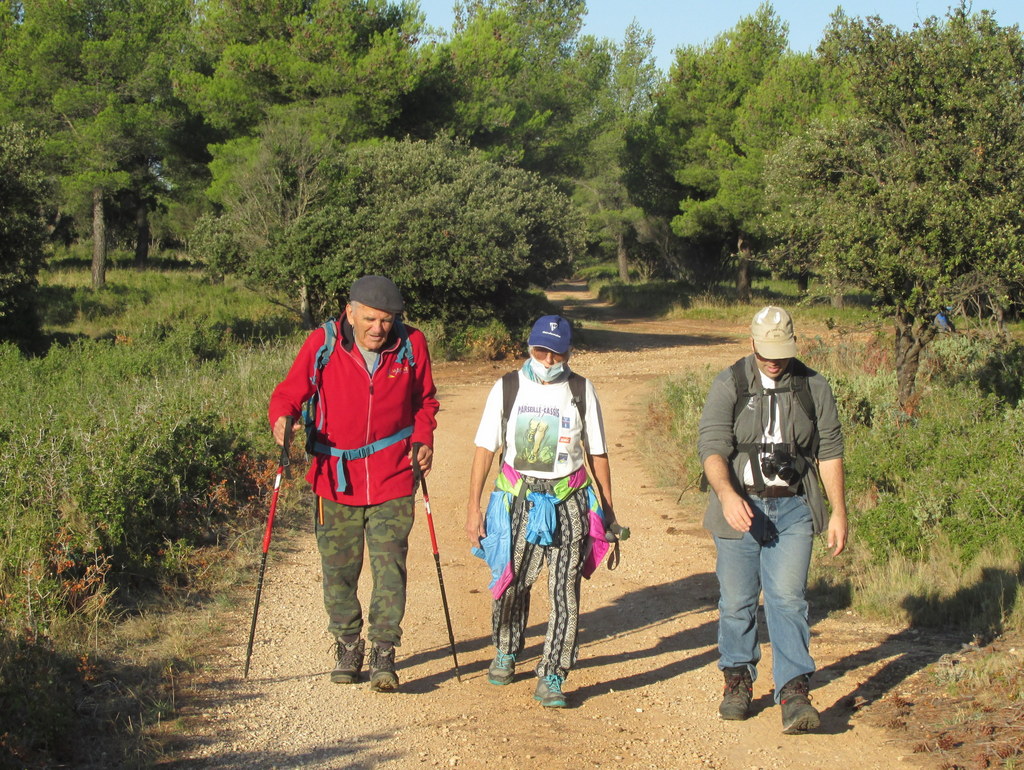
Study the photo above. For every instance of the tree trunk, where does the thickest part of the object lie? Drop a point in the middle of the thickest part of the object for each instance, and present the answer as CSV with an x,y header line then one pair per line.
x,y
620,251
912,335
1000,317
141,234
304,306
838,300
803,281
99,240
743,271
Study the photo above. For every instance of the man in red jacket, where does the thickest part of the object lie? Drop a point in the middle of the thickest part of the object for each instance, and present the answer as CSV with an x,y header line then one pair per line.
x,y
373,406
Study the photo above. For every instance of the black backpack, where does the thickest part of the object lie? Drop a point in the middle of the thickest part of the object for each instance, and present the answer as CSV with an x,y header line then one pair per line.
x,y
510,387
798,386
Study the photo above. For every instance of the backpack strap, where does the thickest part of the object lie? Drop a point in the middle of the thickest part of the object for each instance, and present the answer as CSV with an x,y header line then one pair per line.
x,y
798,386
578,388
801,391
509,389
309,409
405,348
359,453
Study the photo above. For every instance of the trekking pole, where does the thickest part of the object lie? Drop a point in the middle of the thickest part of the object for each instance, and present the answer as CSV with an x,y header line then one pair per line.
x,y
437,563
282,470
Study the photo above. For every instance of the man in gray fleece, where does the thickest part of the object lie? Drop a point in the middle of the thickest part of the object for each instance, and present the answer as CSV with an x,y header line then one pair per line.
x,y
769,435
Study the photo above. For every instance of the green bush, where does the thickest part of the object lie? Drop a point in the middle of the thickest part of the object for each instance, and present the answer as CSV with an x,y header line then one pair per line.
x,y
995,365
112,450
948,472
22,232
128,455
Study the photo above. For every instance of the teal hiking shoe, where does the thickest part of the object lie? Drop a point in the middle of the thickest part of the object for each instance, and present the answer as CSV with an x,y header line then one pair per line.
x,y
503,669
549,692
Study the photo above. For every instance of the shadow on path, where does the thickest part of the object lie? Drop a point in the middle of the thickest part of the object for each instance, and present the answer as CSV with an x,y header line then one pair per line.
x,y
915,648
630,340
635,613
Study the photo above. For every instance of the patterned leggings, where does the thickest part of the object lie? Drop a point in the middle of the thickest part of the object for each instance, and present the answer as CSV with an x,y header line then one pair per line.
x,y
565,559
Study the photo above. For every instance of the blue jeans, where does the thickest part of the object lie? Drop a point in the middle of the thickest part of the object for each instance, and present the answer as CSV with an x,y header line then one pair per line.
x,y
774,556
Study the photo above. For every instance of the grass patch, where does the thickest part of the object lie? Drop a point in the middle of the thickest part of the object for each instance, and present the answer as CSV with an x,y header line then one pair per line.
x,y
979,598
137,472
136,301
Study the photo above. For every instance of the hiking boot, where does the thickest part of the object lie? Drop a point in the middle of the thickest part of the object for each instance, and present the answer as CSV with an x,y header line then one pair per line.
x,y
797,712
350,661
549,692
739,688
503,669
382,669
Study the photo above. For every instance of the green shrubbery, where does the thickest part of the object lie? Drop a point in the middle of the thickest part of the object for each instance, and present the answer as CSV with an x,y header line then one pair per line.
x,y
126,460
113,450
946,472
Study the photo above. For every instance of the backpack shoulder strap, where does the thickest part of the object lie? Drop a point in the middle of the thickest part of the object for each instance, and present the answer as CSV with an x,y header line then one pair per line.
x,y
578,389
802,390
309,409
739,376
323,355
798,386
404,347
509,389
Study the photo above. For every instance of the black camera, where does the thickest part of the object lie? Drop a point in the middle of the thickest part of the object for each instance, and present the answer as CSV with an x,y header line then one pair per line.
x,y
779,463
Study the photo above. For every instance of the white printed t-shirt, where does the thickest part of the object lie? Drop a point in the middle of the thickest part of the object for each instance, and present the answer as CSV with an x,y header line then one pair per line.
x,y
543,437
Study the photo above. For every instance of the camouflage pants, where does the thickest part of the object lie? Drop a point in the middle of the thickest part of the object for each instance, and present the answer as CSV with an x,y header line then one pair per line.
x,y
340,532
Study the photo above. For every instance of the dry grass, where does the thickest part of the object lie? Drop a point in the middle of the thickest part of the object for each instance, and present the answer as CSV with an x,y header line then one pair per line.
x,y
939,592
966,710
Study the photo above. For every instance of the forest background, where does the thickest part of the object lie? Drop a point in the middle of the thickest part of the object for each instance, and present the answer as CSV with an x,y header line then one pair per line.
x,y
187,186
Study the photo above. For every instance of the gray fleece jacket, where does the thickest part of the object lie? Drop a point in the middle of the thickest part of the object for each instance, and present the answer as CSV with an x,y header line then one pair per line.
x,y
718,435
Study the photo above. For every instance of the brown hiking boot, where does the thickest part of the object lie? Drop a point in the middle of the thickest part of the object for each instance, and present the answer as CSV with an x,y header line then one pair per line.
x,y
350,661
382,669
798,714
739,689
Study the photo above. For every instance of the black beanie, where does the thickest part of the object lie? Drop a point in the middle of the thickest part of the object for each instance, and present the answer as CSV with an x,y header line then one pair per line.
x,y
377,292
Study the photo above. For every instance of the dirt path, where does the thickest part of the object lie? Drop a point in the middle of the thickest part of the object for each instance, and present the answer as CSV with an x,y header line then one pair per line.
x,y
645,691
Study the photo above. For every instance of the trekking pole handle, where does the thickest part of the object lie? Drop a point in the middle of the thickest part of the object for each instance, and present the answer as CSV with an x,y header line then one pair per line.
x,y
282,470
286,462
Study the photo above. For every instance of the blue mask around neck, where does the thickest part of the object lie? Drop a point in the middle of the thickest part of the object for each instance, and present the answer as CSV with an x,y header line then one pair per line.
x,y
546,373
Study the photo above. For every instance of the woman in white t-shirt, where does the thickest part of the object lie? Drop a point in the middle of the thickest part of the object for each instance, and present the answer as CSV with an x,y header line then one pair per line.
x,y
545,507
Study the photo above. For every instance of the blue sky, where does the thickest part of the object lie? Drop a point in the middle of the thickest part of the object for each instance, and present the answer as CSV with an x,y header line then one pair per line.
x,y
693,22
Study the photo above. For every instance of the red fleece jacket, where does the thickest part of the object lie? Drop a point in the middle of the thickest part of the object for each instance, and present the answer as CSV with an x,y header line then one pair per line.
x,y
358,409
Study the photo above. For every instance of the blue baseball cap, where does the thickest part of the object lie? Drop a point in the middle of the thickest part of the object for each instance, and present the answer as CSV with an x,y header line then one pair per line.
x,y
552,332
